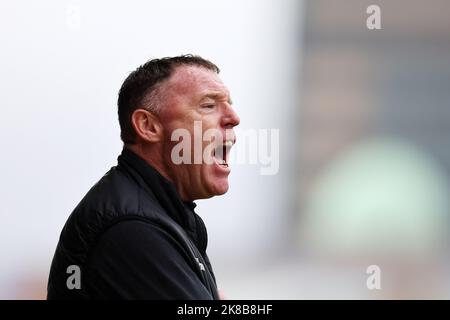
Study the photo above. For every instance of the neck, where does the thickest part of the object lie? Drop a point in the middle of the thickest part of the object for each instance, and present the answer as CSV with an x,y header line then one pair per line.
x,y
153,155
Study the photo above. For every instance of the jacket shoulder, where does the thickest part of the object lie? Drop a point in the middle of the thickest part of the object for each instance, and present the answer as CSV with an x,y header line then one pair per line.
x,y
115,197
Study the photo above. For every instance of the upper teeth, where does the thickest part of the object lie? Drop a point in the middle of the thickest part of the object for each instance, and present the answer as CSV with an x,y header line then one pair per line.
x,y
221,150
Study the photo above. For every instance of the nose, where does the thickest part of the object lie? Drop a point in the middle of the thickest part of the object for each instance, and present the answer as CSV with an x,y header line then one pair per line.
x,y
230,118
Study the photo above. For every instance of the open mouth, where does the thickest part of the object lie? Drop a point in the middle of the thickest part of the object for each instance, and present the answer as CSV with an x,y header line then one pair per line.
x,y
221,152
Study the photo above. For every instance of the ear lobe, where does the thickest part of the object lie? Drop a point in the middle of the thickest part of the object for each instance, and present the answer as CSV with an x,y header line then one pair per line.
x,y
146,125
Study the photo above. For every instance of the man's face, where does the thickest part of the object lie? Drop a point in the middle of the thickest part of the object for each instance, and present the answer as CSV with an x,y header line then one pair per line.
x,y
195,96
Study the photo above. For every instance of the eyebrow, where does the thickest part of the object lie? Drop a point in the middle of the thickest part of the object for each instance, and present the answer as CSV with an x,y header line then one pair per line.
x,y
217,96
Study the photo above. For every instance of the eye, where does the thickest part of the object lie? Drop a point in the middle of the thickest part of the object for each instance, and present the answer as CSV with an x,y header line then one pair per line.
x,y
209,106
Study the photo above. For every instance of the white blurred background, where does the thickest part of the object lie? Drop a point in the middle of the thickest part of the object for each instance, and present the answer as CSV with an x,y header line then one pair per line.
x,y
363,118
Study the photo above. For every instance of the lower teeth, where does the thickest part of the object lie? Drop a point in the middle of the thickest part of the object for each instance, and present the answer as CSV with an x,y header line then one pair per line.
x,y
223,163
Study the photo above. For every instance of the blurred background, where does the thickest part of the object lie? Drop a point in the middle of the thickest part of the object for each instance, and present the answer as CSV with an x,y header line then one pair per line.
x,y
363,118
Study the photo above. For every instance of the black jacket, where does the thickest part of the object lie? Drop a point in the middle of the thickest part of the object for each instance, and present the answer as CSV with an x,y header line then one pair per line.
x,y
133,238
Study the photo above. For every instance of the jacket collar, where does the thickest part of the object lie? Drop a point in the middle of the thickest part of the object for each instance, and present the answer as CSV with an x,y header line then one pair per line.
x,y
181,211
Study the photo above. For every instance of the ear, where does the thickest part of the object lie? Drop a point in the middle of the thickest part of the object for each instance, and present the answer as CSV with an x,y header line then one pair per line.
x,y
146,125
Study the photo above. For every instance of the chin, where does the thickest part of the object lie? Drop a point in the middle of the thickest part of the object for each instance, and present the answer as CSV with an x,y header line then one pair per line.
x,y
219,189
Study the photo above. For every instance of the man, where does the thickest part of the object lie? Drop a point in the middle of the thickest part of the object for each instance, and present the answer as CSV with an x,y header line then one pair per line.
x,y
135,234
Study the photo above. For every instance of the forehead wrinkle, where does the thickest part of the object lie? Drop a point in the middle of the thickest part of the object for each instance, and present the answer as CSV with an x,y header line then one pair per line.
x,y
187,80
217,95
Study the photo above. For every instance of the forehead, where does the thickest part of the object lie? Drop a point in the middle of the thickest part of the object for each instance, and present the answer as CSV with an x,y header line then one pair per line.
x,y
195,82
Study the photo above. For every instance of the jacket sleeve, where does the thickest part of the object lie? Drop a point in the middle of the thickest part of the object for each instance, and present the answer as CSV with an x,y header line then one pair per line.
x,y
138,260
